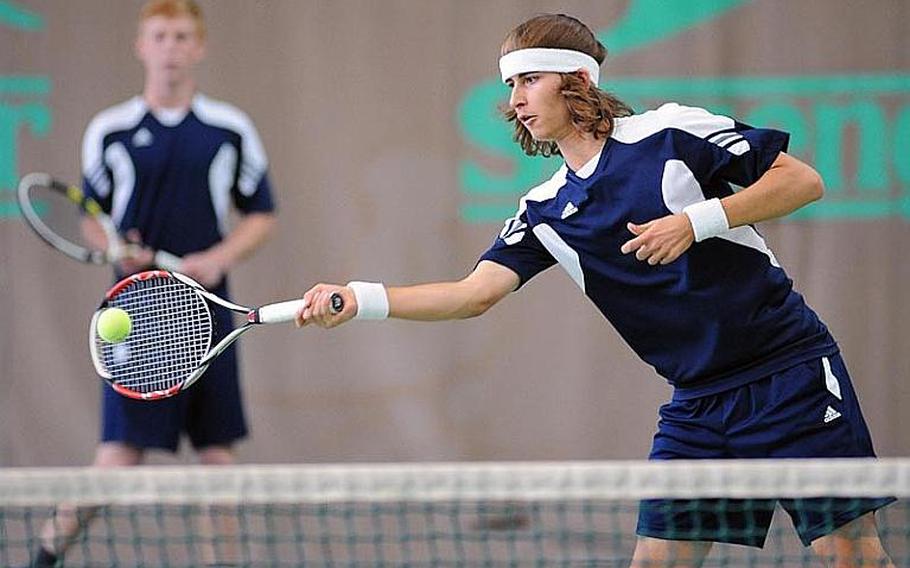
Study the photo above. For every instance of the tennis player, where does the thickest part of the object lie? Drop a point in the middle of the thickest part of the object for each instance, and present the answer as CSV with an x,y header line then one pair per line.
x,y
168,165
643,217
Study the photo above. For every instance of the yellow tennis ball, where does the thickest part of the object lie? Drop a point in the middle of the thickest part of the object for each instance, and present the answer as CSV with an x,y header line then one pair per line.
x,y
114,325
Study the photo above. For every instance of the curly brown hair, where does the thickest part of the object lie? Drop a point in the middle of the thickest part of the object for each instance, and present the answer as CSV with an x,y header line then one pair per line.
x,y
591,109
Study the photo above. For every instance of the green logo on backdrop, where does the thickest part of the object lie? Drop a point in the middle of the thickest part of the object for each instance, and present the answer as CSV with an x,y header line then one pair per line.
x,y
23,107
853,128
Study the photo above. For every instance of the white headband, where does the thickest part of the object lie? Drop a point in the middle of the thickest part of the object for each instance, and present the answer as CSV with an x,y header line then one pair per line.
x,y
547,60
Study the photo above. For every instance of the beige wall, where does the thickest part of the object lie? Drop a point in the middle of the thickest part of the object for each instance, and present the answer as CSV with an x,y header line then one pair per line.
x,y
357,103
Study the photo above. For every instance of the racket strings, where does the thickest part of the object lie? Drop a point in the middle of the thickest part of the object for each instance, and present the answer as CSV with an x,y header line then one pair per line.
x,y
171,333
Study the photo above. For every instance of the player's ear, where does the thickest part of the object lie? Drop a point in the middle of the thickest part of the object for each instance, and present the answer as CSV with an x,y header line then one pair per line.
x,y
583,73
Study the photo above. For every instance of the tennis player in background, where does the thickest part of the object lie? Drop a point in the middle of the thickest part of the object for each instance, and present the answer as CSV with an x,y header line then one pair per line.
x,y
167,165
644,219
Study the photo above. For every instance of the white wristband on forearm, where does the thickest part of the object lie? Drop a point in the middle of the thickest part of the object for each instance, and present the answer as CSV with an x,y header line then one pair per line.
x,y
708,219
372,300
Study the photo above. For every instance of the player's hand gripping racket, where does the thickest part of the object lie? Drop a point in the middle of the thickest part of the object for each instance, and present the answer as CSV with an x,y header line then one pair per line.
x,y
170,344
54,210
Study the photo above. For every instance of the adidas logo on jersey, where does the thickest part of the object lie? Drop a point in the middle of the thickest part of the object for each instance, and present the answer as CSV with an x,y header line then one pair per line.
x,y
569,209
831,414
142,138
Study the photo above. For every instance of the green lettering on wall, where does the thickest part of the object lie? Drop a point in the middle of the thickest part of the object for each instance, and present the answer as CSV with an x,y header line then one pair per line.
x,y
19,18
37,117
650,21
784,116
868,120
22,107
18,107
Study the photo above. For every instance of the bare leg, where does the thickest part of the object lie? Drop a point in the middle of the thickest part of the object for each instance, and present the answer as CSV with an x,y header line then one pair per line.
x,y
856,544
659,553
64,526
218,527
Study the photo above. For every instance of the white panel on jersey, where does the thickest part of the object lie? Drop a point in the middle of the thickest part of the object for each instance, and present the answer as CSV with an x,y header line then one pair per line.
x,y
680,189
695,121
831,380
123,116
562,252
221,178
679,186
224,115
99,181
513,229
118,160
749,237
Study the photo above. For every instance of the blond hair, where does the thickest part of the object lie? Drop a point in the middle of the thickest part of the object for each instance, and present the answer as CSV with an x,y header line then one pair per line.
x,y
174,9
591,109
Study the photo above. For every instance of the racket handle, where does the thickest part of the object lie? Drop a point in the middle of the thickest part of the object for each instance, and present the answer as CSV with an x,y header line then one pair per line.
x,y
167,261
279,313
287,311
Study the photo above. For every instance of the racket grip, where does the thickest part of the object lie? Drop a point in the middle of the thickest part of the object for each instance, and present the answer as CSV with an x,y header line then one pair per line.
x,y
279,313
287,311
167,261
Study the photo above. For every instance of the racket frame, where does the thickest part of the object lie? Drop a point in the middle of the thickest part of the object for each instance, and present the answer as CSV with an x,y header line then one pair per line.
x,y
116,249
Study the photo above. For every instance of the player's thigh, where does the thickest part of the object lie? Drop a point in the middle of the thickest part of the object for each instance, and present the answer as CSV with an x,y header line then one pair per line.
x,y
117,454
654,552
216,455
855,544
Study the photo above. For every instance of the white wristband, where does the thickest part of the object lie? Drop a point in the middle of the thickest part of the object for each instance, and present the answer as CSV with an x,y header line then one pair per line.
x,y
372,300
708,219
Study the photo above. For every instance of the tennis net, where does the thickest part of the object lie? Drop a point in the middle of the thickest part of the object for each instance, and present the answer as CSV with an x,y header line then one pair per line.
x,y
465,515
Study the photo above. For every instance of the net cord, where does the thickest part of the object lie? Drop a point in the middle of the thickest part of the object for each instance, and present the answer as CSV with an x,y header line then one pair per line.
x,y
619,480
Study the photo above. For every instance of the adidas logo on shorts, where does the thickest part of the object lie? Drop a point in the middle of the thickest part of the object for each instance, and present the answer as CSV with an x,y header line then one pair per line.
x,y
831,414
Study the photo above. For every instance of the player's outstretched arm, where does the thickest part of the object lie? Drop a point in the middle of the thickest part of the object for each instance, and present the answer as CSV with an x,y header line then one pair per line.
x,y
466,298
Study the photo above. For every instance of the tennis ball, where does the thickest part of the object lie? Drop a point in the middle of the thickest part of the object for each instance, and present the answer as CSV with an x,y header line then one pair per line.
x,y
114,325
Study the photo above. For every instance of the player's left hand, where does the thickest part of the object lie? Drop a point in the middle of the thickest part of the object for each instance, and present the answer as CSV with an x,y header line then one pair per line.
x,y
660,241
136,257
205,267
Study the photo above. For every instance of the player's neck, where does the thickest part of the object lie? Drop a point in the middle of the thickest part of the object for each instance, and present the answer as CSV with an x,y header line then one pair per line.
x,y
165,95
578,149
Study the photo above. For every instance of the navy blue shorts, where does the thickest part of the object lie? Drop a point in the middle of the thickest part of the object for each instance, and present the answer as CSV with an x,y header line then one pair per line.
x,y
807,411
210,412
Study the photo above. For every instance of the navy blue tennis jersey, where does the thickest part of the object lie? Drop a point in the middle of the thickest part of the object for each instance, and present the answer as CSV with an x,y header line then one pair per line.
x,y
720,316
174,176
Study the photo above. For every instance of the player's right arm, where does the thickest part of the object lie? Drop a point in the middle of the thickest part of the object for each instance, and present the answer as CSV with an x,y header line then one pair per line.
x,y
466,298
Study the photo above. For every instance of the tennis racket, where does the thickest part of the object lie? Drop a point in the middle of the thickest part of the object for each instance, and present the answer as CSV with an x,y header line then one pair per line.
x,y
170,344
54,210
